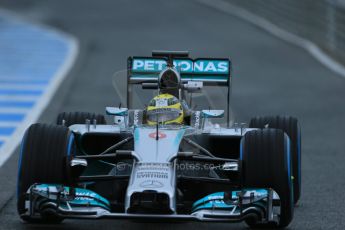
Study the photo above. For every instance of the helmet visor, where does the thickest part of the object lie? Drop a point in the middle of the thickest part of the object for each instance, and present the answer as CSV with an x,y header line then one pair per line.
x,y
162,115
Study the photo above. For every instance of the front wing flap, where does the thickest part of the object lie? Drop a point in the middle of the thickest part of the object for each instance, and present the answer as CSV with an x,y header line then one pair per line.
x,y
79,203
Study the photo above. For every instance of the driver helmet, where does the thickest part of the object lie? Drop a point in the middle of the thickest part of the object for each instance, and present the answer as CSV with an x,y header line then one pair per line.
x,y
164,109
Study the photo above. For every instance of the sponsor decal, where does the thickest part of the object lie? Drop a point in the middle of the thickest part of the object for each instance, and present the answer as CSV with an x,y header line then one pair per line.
x,y
153,166
151,184
161,135
136,117
184,66
197,119
148,65
156,175
152,175
161,102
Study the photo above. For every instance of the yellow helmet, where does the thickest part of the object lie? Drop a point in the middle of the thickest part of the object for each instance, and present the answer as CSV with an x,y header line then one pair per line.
x,y
164,109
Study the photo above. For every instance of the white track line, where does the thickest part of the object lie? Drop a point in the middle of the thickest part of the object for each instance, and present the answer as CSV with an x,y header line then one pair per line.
x,y
21,86
4,138
9,123
16,110
266,25
22,79
8,148
19,98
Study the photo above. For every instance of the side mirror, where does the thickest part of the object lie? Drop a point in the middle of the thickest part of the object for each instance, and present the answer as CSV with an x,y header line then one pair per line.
x,y
193,86
116,111
212,113
149,85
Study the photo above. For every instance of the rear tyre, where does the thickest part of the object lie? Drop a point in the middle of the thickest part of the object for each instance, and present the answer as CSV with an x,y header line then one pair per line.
x,y
72,118
266,164
290,126
44,157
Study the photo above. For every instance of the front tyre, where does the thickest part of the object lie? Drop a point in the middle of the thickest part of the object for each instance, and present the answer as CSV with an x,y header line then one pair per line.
x,y
266,161
44,156
291,127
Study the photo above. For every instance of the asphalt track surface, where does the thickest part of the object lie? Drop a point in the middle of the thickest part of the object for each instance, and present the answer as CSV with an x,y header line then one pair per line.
x,y
270,77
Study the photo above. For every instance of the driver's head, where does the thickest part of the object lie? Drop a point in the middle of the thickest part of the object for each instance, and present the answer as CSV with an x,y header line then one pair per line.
x,y
169,81
164,109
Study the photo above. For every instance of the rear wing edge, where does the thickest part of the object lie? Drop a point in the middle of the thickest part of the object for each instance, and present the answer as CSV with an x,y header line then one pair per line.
x,y
208,70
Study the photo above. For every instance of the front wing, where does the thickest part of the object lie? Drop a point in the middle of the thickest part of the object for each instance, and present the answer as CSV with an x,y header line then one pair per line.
x,y
78,203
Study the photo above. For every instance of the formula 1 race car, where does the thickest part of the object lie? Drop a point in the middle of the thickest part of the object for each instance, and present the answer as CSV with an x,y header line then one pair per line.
x,y
165,160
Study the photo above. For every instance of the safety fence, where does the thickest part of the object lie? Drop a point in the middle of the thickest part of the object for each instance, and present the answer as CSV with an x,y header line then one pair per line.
x,y
321,21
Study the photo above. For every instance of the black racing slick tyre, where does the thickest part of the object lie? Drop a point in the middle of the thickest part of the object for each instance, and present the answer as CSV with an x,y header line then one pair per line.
x,y
266,163
71,118
44,156
291,127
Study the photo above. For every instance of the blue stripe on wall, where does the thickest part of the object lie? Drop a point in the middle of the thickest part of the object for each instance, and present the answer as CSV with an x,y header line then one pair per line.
x,y
6,130
11,117
20,92
29,56
22,104
42,82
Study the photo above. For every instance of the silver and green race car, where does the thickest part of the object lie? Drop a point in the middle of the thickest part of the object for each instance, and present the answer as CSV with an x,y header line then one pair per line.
x,y
205,168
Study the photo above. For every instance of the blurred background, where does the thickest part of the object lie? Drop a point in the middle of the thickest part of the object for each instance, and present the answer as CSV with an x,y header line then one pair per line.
x,y
321,21
61,55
